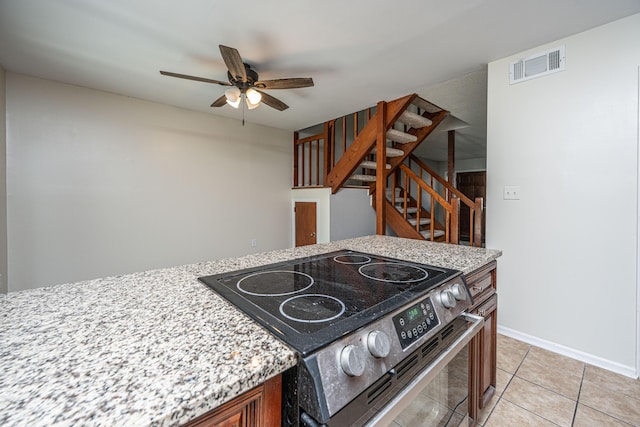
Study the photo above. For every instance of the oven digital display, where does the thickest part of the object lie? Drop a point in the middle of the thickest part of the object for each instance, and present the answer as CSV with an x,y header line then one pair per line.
x,y
415,322
413,313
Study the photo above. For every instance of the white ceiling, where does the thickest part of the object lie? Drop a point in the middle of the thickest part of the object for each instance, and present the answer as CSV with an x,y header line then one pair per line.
x,y
358,52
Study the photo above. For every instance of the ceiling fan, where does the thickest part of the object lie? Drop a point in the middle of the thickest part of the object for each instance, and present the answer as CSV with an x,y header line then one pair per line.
x,y
245,83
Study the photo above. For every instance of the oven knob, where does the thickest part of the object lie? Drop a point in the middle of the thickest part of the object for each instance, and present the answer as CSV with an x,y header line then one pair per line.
x,y
352,361
378,344
458,292
447,299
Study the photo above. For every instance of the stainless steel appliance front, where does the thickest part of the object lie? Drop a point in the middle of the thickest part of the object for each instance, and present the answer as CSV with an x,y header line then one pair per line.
x,y
438,395
365,327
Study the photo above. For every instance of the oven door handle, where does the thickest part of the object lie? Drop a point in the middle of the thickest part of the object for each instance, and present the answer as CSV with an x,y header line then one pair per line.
x,y
405,396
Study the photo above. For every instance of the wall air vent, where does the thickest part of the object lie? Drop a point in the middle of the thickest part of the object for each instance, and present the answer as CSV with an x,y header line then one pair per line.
x,y
538,65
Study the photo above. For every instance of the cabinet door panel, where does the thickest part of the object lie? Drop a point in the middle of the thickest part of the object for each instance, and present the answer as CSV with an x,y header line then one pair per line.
x,y
482,285
488,338
260,406
233,420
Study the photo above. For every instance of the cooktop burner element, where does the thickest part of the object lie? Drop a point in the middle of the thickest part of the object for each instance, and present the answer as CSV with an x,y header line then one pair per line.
x,y
280,283
393,272
309,302
352,259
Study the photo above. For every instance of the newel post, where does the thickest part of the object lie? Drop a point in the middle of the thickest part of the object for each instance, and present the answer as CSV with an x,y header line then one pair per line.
x,y
327,154
381,162
477,222
295,159
455,221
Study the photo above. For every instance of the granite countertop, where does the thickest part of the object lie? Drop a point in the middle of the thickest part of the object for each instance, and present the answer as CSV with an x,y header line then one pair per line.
x,y
155,348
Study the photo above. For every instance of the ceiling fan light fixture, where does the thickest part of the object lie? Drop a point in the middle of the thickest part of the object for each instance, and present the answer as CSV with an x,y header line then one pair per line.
x,y
233,96
251,105
254,96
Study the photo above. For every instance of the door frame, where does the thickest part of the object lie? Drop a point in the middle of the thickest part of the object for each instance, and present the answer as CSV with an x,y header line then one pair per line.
x,y
295,221
293,217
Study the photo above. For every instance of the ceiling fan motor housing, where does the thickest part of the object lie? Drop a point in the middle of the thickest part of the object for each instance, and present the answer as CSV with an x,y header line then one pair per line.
x,y
252,77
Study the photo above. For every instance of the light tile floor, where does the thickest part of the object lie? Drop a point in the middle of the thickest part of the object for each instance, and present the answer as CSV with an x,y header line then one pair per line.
x,y
536,387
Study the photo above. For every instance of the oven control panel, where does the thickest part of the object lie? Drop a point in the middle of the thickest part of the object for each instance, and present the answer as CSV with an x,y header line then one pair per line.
x,y
414,322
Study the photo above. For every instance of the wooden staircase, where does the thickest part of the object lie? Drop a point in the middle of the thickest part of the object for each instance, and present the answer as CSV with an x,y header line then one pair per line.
x,y
379,155
416,215
390,129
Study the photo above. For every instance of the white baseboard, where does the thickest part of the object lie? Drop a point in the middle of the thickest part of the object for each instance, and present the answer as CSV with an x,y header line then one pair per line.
x,y
628,371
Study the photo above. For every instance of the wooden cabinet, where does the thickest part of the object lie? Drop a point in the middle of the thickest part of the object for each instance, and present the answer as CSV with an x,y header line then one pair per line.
x,y
487,350
260,406
482,284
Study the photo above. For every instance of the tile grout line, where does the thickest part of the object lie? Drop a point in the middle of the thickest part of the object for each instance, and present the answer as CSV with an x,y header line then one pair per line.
x,y
575,409
603,412
523,379
506,386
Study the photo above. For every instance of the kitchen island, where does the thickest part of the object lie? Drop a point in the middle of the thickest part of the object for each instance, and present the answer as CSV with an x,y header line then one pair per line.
x,y
156,348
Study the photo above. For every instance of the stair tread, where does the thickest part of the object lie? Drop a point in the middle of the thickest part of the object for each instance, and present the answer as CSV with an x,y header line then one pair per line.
x,y
361,177
372,165
401,137
425,105
399,200
414,120
436,233
423,221
390,152
410,209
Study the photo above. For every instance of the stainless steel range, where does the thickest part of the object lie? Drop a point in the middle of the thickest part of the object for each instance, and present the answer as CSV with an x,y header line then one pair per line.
x,y
370,331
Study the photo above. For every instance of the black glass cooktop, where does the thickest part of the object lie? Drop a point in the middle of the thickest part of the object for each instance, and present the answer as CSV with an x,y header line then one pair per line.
x,y
309,302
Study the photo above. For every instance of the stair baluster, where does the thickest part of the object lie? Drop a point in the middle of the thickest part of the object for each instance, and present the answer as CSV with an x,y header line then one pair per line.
x,y
318,163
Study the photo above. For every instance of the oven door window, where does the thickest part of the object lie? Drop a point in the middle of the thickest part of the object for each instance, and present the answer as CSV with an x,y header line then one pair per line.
x,y
437,393
443,401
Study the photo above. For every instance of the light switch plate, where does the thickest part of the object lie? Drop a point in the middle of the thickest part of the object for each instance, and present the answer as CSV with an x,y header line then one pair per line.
x,y
511,192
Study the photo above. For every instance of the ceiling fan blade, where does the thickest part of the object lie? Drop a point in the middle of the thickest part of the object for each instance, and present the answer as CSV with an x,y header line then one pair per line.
x,y
234,62
198,79
220,101
273,102
293,83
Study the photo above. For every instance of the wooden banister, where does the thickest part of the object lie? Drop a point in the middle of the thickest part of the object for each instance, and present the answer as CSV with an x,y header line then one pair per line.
x,y
307,153
423,185
434,175
475,206
451,209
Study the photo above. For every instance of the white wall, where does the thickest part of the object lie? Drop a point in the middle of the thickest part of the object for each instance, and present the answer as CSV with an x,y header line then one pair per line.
x,y
101,184
3,185
352,214
568,273
466,98
343,215
470,165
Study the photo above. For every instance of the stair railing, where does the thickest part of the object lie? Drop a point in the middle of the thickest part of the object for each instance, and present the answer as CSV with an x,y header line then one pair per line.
x,y
315,156
475,207
412,184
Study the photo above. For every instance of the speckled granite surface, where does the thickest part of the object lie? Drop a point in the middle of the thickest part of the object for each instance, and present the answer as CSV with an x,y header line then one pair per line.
x,y
155,348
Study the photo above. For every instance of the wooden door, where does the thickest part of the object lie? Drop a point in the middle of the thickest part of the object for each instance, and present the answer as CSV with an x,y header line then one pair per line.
x,y
472,185
305,213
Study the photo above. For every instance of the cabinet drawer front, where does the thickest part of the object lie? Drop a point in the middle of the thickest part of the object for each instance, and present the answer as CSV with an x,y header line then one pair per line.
x,y
482,281
489,306
481,286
